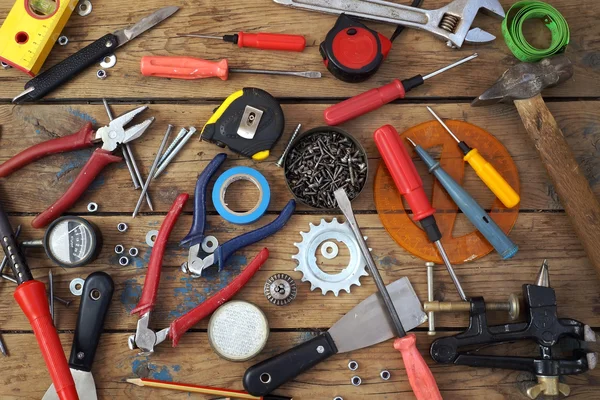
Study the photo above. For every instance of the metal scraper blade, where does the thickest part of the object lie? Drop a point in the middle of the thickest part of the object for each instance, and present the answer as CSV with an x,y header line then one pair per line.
x,y
84,382
369,323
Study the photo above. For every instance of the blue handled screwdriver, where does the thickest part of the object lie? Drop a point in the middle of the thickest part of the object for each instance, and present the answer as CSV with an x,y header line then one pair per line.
x,y
477,215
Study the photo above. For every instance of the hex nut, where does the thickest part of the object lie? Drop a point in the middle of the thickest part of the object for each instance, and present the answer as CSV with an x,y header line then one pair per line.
x,y
63,40
101,74
5,65
119,249
92,207
133,252
352,365
385,375
124,261
356,381
122,227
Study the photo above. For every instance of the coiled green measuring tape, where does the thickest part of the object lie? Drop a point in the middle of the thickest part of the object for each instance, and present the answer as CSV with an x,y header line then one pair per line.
x,y
512,29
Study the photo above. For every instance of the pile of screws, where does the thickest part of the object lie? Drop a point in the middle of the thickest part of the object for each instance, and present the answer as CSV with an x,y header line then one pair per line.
x,y
322,161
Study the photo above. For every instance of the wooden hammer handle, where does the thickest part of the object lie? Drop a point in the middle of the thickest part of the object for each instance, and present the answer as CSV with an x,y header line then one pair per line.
x,y
572,187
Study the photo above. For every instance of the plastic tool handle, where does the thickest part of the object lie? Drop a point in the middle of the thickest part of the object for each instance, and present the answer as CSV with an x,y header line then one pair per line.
x,y
404,173
197,314
31,297
227,249
80,140
266,376
183,67
567,176
478,217
95,299
71,67
100,158
272,41
420,377
492,178
148,298
364,103
196,233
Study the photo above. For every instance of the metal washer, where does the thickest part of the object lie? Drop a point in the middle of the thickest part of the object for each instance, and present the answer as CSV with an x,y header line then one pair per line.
x,y
149,235
330,255
214,243
84,8
73,286
109,61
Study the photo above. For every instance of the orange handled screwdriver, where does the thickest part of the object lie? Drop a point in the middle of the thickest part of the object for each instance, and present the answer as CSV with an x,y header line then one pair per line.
x,y
197,68
484,170
420,377
265,41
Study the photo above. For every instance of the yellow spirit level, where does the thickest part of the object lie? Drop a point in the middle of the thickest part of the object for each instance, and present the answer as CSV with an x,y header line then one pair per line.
x,y
30,30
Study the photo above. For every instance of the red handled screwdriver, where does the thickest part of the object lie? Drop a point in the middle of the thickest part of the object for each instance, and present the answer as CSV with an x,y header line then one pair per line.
x,y
197,68
265,41
31,297
409,184
375,98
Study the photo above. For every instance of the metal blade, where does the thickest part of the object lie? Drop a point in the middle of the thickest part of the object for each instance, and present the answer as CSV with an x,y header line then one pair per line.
x,y
369,323
126,34
84,382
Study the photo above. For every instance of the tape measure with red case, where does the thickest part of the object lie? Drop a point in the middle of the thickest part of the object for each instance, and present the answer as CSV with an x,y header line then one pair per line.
x,y
352,52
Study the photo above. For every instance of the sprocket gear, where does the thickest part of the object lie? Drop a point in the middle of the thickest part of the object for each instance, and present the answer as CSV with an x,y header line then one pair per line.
x,y
307,261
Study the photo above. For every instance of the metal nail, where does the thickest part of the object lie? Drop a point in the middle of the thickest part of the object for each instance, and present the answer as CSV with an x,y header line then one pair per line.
x,y
279,162
161,167
152,170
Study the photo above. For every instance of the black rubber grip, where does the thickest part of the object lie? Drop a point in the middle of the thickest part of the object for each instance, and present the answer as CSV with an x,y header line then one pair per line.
x,y
266,376
16,259
95,299
71,67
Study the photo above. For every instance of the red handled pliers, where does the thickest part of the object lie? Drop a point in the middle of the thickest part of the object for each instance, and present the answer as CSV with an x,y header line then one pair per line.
x,y
145,338
111,136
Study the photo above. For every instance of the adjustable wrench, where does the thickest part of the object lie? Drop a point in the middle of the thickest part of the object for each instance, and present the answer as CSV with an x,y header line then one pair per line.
x,y
451,23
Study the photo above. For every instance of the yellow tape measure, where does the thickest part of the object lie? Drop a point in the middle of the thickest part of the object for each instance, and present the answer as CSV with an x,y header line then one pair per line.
x,y
30,30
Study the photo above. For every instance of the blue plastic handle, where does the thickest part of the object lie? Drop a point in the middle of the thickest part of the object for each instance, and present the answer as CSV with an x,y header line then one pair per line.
x,y
477,215
196,234
227,249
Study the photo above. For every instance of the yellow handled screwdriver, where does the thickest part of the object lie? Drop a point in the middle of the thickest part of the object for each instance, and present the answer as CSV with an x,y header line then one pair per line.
x,y
484,170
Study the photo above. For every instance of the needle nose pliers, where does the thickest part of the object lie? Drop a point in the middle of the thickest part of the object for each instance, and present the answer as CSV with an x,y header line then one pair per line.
x,y
195,263
111,136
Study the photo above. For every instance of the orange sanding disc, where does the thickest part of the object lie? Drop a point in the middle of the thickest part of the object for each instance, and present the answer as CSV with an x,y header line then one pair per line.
x,y
409,234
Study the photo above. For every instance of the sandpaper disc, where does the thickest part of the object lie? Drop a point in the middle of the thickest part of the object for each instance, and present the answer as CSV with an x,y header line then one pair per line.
x,y
407,233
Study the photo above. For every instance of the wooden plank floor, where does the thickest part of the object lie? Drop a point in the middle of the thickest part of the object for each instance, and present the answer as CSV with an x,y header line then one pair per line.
x,y
542,229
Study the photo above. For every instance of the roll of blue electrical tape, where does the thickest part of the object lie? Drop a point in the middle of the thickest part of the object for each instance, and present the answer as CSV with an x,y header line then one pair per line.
x,y
236,174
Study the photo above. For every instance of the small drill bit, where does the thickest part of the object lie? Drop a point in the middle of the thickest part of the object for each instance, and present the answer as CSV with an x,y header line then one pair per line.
x,y
543,278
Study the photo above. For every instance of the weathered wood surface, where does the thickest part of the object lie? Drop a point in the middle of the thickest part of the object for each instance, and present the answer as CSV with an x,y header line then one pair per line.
x,y
413,53
45,180
193,362
542,229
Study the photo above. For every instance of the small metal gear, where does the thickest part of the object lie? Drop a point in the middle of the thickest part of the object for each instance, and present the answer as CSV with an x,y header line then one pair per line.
x,y
307,261
280,289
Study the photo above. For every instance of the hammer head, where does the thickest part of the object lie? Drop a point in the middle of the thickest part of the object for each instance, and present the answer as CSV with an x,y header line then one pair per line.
x,y
526,80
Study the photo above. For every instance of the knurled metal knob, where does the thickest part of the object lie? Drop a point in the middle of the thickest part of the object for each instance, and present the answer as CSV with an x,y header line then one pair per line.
x,y
280,289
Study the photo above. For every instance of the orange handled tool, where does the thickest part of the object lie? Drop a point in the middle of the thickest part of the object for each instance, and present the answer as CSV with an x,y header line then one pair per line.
x,y
420,377
197,68
265,41
31,296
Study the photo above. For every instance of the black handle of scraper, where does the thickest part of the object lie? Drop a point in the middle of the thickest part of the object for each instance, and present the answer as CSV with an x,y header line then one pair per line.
x,y
266,376
95,299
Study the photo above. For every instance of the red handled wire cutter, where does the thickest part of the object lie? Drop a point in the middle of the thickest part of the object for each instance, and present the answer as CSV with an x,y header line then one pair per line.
x,y
111,136
145,338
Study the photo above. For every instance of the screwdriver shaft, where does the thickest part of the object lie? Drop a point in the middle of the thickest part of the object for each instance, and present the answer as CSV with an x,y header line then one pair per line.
x,y
196,35
443,124
303,74
453,276
446,68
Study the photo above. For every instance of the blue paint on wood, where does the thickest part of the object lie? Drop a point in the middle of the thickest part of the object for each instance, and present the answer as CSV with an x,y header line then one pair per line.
x,y
142,367
131,294
81,115
74,160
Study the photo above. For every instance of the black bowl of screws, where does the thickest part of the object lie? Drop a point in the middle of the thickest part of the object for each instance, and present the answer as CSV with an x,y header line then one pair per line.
x,y
322,160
